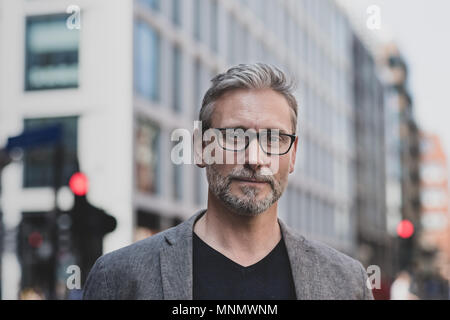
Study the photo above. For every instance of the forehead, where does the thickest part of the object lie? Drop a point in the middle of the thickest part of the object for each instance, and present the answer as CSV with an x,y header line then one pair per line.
x,y
256,109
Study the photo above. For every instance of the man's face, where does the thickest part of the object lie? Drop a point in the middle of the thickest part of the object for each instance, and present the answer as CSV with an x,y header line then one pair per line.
x,y
255,110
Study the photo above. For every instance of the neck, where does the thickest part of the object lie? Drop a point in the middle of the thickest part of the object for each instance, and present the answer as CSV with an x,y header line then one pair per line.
x,y
244,239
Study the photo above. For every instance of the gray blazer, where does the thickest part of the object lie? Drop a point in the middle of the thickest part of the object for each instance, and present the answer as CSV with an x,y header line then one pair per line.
x,y
160,267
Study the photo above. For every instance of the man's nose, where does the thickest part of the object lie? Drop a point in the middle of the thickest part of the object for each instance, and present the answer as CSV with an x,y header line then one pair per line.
x,y
255,155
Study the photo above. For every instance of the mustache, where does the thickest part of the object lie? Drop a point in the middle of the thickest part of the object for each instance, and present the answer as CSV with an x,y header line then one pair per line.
x,y
244,174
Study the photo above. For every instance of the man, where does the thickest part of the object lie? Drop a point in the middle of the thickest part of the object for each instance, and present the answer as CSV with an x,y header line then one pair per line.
x,y
237,248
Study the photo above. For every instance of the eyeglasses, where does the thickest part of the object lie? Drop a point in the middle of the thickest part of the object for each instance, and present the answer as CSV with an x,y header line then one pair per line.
x,y
271,141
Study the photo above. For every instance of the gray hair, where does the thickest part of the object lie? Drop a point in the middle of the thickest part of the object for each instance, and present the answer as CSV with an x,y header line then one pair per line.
x,y
248,76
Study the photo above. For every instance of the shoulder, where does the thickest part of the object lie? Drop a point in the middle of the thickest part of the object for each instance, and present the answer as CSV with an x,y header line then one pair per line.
x,y
331,260
341,276
144,250
331,274
128,272
134,271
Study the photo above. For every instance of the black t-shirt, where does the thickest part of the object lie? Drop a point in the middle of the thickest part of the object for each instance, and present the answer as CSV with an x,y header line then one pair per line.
x,y
216,277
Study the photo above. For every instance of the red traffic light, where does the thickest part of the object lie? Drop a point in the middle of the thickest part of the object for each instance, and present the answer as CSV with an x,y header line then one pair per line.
x,y
35,239
79,184
405,229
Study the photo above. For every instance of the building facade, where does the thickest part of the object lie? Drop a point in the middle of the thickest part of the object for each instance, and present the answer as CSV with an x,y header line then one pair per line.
x,y
435,216
81,79
370,205
403,169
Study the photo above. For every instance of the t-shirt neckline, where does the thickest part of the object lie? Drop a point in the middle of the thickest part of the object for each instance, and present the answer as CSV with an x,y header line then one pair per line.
x,y
235,264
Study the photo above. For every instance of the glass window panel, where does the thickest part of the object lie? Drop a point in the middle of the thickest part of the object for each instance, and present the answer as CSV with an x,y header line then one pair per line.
x,y
214,26
146,61
177,78
154,4
176,12
147,157
39,162
51,53
177,187
197,20
201,187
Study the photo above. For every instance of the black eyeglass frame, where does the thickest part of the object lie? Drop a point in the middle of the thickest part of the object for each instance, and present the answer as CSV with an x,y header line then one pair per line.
x,y
291,136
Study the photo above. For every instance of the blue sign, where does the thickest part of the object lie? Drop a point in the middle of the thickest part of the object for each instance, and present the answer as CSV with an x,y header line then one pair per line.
x,y
35,137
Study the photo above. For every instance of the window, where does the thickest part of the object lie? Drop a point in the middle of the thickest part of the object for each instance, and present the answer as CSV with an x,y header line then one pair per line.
x,y
434,221
177,78
39,164
286,30
279,21
433,172
176,12
309,158
148,224
306,46
242,35
303,211
51,53
309,214
214,26
319,218
197,20
147,157
232,39
283,207
329,221
197,85
177,188
294,209
146,61
434,197
201,187
154,4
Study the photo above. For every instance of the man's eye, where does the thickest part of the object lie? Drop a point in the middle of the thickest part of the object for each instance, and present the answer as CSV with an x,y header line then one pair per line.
x,y
235,137
273,138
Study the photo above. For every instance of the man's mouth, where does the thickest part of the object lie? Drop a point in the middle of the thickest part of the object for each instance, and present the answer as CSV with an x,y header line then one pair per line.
x,y
250,180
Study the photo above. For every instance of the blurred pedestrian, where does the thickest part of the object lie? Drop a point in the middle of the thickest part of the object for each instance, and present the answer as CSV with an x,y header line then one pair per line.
x,y
401,287
31,294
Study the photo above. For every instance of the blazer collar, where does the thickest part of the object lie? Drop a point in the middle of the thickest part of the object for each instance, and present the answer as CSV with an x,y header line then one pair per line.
x,y
304,264
176,262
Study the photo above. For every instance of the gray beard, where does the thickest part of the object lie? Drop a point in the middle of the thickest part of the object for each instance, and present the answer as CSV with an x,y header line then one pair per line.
x,y
246,205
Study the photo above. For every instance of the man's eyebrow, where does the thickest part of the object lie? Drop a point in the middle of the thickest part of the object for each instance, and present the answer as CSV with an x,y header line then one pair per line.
x,y
244,128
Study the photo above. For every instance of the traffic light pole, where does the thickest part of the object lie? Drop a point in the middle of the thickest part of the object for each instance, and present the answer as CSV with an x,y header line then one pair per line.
x,y
4,161
1,236
58,160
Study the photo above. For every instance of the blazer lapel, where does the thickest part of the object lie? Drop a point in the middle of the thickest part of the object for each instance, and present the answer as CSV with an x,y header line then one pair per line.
x,y
176,261
305,269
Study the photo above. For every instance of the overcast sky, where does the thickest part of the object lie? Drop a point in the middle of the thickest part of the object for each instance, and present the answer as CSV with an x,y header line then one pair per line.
x,y
421,29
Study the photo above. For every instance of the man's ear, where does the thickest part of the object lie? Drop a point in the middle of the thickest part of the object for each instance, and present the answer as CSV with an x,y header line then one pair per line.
x,y
293,155
198,148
